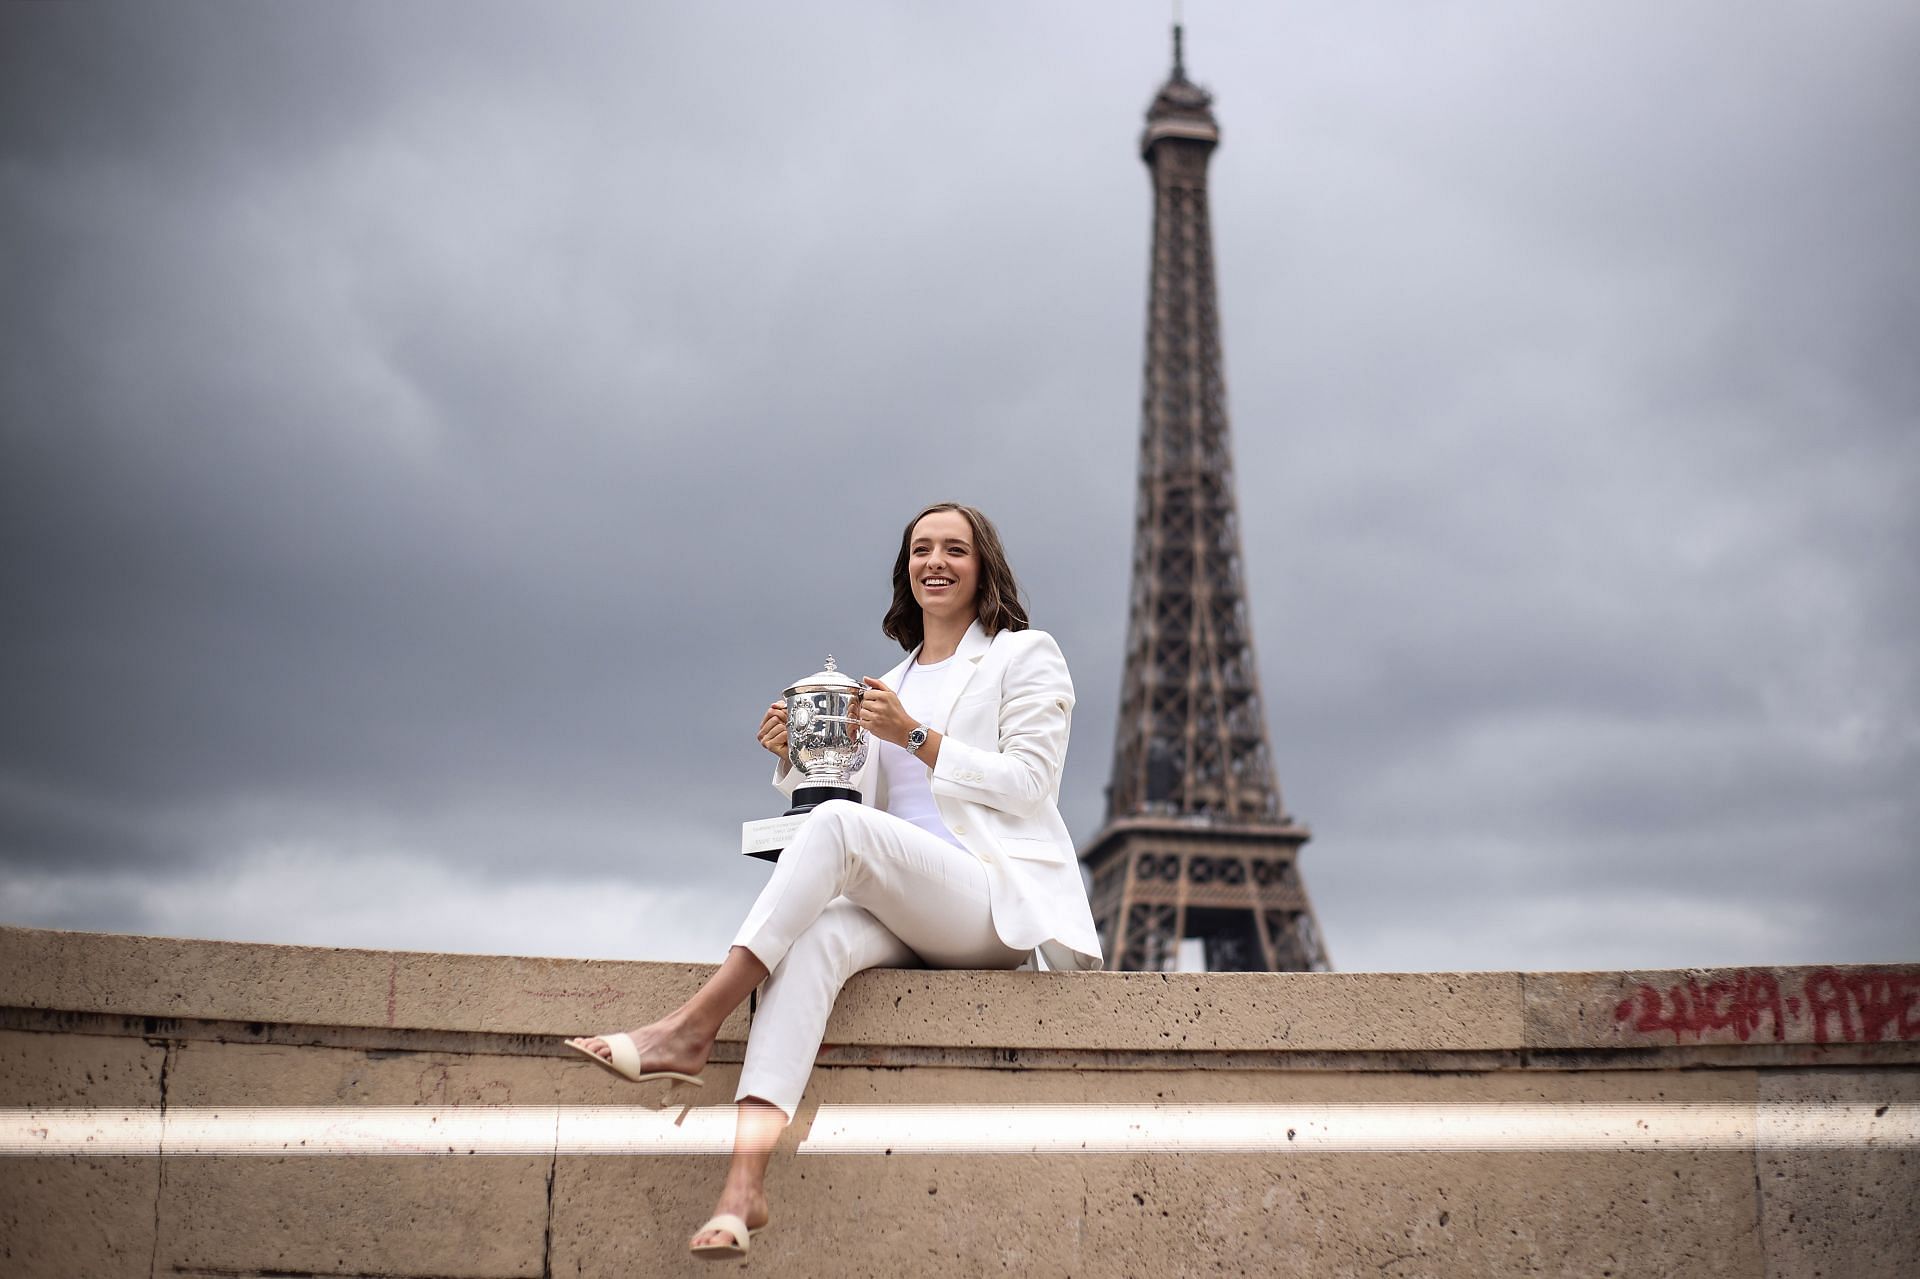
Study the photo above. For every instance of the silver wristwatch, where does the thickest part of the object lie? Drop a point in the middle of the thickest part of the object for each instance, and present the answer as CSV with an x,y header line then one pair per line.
x,y
917,738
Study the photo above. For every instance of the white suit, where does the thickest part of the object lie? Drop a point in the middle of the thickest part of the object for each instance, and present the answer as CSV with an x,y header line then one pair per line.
x,y
859,888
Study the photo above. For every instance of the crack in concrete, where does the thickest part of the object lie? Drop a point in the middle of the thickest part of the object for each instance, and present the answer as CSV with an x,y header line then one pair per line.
x,y
160,1169
553,1167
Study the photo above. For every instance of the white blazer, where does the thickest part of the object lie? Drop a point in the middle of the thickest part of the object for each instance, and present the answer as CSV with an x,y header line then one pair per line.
x,y
997,786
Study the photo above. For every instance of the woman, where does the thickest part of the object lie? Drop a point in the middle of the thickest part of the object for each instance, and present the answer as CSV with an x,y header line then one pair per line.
x,y
956,858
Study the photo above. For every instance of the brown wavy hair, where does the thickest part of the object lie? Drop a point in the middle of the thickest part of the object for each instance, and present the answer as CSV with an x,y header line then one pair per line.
x,y
997,602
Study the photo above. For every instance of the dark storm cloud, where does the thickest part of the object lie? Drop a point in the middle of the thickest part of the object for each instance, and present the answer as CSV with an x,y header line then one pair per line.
x,y
294,532
1597,528
431,436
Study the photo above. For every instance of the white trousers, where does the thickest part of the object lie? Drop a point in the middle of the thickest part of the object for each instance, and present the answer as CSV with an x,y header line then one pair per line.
x,y
858,888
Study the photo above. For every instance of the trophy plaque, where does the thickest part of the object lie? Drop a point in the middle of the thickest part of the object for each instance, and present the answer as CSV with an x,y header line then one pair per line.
x,y
824,746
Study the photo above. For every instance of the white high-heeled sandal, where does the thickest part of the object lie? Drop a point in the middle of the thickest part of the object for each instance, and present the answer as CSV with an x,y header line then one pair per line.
x,y
625,1061
735,1226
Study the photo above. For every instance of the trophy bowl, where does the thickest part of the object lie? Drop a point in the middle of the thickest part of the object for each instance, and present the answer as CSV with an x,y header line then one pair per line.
x,y
823,743
824,746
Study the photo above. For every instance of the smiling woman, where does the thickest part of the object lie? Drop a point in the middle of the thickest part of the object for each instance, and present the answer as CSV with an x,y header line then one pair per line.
x,y
956,856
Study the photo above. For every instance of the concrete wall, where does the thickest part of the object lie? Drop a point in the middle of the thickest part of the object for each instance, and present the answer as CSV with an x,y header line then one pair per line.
x,y
413,1115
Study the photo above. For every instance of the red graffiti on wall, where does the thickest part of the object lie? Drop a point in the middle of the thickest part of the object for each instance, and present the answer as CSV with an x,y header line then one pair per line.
x,y
1841,1007
1741,1004
1864,1007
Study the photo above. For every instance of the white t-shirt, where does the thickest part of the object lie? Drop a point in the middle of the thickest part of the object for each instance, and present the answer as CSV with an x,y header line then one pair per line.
x,y
924,691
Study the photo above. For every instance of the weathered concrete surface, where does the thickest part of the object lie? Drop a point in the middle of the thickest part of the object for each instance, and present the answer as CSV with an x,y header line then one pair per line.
x,y
78,1216
314,986
103,1022
377,1215
1840,1212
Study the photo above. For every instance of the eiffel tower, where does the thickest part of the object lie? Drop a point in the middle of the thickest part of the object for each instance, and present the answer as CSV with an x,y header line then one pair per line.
x,y
1196,847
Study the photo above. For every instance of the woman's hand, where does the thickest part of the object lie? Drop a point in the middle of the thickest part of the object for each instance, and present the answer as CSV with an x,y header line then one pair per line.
x,y
882,714
773,729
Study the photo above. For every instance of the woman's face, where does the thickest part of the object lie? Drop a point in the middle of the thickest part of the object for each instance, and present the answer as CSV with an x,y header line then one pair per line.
x,y
941,565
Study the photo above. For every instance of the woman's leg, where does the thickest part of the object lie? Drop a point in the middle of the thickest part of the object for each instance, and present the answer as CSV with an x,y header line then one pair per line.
x,y
683,1039
799,994
808,875
918,885
909,897
859,888
787,1027
744,1194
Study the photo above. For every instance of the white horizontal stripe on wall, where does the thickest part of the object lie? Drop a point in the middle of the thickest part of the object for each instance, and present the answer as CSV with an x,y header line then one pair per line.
x,y
963,1129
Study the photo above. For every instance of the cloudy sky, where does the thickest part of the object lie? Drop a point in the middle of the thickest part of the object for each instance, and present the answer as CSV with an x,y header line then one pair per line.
x,y
430,434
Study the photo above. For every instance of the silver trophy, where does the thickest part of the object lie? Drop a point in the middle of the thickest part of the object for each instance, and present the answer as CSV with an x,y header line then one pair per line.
x,y
824,745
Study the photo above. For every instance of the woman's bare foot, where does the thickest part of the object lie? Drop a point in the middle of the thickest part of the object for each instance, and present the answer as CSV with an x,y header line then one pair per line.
x,y
667,1044
745,1200
683,1039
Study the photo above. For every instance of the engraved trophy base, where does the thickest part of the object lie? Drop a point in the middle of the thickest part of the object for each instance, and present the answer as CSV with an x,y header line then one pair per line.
x,y
767,837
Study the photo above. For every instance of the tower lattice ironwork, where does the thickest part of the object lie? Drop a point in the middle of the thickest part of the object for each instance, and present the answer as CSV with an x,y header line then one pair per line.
x,y
1197,845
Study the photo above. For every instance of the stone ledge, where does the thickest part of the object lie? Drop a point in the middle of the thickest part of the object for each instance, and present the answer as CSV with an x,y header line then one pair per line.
x,y
1444,1013
1374,1123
